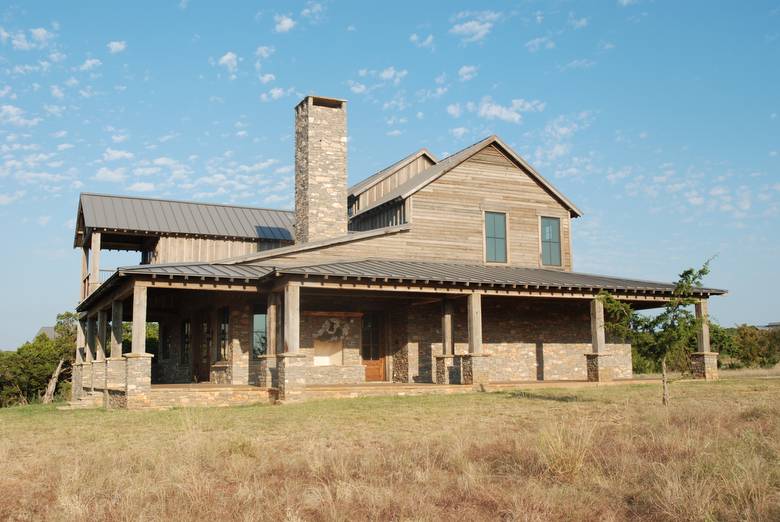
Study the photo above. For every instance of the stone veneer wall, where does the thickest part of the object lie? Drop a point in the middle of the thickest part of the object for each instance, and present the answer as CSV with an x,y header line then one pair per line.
x,y
526,339
320,170
347,331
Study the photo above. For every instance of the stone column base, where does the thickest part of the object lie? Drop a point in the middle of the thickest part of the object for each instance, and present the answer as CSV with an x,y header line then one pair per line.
x,y
116,373
291,376
139,380
76,381
475,369
597,370
266,375
447,369
704,365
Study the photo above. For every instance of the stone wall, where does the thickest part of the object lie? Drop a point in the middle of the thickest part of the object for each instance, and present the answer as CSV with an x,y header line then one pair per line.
x,y
526,339
339,330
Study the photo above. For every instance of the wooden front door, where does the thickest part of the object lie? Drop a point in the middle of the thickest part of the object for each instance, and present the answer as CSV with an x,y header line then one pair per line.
x,y
372,350
203,352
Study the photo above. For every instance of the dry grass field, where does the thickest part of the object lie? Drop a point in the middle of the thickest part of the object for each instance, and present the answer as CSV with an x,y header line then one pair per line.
x,y
609,453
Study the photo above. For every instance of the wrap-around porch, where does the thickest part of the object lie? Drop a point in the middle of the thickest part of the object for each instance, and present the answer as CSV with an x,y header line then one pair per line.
x,y
236,342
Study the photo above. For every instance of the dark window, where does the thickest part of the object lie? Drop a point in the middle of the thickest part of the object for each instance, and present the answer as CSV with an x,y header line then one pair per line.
x,y
205,343
259,333
495,237
184,349
551,241
224,341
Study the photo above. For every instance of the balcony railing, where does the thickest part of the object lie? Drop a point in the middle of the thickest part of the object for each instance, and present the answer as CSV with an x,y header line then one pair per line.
x,y
87,288
105,274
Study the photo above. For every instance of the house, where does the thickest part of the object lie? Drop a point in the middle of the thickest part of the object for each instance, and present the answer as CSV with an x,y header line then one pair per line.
x,y
49,331
441,272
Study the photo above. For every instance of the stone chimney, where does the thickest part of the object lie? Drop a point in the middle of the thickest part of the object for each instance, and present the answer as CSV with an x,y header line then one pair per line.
x,y
320,169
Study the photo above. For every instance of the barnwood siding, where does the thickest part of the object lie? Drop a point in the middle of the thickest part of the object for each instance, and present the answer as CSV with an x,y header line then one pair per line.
x,y
385,216
179,249
446,219
377,191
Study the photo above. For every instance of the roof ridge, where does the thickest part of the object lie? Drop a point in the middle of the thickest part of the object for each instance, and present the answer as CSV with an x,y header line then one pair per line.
x,y
370,181
141,198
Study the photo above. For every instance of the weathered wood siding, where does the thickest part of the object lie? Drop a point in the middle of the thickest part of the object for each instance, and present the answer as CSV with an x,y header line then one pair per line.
x,y
447,219
402,175
386,216
179,249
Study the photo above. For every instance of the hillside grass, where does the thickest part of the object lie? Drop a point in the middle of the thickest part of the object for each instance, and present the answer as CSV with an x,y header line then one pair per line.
x,y
608,453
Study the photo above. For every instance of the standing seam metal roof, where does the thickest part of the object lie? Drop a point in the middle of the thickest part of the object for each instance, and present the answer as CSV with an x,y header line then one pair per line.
x,y
187,218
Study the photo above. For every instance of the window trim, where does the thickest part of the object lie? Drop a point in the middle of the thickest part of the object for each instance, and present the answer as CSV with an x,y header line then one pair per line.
x,y
560,219
506,214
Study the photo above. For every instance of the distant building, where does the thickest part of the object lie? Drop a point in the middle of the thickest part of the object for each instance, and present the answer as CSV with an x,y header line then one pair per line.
x,y
48,331
771,326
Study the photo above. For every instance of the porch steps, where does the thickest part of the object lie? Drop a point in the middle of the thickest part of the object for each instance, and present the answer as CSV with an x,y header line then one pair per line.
x,y
90,400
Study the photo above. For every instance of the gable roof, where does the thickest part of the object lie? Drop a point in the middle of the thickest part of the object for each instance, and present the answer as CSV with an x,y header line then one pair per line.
x,y
372,180
433,173
144,215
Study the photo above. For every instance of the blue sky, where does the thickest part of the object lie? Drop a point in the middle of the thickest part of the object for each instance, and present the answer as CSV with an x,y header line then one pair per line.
x,y
660,120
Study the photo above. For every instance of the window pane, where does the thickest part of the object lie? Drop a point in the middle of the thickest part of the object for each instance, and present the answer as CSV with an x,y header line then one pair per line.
x,y
500,251
551,241
259,335
500,226
495,237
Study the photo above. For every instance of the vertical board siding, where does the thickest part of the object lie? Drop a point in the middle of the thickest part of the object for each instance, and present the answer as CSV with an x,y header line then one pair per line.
x,y
447,218
171,249
399,177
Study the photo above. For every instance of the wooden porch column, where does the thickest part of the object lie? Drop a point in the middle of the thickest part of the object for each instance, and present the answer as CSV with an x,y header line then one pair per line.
x,y
475,323
83,287
102,330
94,271
139,319
447,345
598,338
703,335
81,340
271,319
116,329
91,335
292,317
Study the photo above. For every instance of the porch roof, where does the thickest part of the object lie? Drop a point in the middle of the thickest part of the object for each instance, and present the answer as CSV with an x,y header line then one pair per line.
x,y
401,271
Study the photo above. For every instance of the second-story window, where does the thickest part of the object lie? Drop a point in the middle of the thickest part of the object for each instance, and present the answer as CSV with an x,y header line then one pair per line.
x,y
551,241
495,237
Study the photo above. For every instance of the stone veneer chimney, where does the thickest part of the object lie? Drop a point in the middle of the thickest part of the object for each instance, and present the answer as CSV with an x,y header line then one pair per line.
x,y
320,169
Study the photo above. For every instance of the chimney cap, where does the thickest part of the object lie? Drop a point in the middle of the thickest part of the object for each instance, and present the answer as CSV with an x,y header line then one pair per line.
x,y
326,101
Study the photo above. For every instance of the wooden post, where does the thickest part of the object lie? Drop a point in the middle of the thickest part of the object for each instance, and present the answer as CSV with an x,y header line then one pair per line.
x,y
116,329
83,285
448,347
94,272
91,334
271,323
81,340
139,319
475,323
102,330
598,338
292,317
703,335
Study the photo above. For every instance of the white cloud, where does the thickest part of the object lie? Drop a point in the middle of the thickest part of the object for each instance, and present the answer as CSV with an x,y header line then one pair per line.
x,y
89,64
116,46
56,92
391,74
57,56
229,61
543,42
7,92
313,11
419,41
118,138
454,110
476,27
356,87
578,64
141,186
626,3
39,38
275,94
64,146
266,78
13,115
114,155
394,132
511,113
110,175
459,132
264,51
43,220
467,72
577,23
7,199
54,110
283,23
